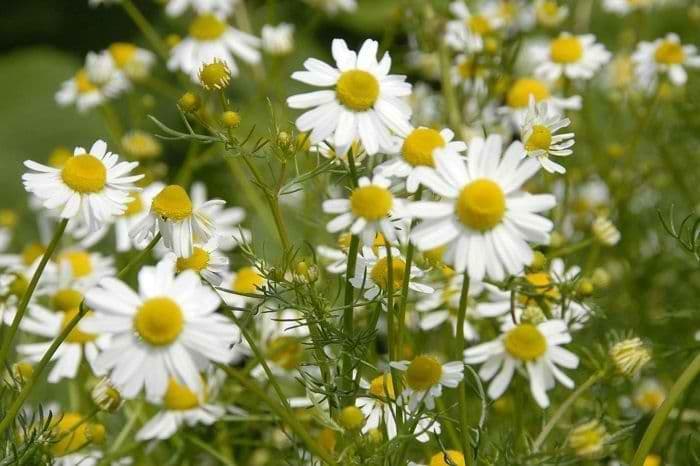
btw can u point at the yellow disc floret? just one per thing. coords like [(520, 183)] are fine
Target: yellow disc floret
[(215, 75), (371, 202), (32, 252), (519, 93), (566, 49), (83, 83), (76, 335), (358, 90), (198, 261), (351, 418), (84, 173), (525, 342), (669, 53), (418, 147), (59, 156), (80, 262), (122, 53), (540, 139), (479, 25), (247, 281), (135, 206), (382, 387), (66, 299), (481, 205), (207, 27), (179, 398), (72, 432), (380, 273), (172, 203), (423, 373), (456, 459), (286, 352), (159, 321)]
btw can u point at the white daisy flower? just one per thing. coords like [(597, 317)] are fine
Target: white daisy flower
[(372, 273), (181, 406), (425, 377), (98, 81), (624, 7), (537, 347), (170, 328), (219, 7), (283, 336), (333, 7), (226, 220), (442, 306), (181, 224), (90, 458), (539, 138), (245, 281), (93, 186), (78, 344), (80, 269), (469, 30), (335, 259), (664, 57), (484, 218), (518, 100), (14, 281), (549, 13), (366, 102), (206, 260), (417, 150), (211, 37), (470, 75), (278, 40), (340, 154), (133, 61), (572, 56), (136, 211)]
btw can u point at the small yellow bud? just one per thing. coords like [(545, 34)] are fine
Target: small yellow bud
[(106, 396), (59, 156), (231, 119), (455, 458), (585, 287), (375, 436), (539, 261), (351, 418), (141, 145), (629, 356), (8, 218), (615, 150), (327, 440), (22, 371), (215, 75), (189, 102), (600, 278), (652, 460), (556, 240), (533, 314), (588, 439)]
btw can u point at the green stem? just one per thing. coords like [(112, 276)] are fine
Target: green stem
[(459, 349), (661, 415), (211, 450), (571, 249), (148, 31), (24, 302), (554, 420), (448, 91), (139, 257), (406, 279)]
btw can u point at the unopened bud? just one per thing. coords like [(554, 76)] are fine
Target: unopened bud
[(231, 119), (189, 102), (106, 396)]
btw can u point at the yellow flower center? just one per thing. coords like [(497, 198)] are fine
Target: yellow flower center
[(357, 90), (479, 25), (32, 252), (468, 69), (423, 373), (351, 418), (525, 342), (650, 399), (286, 352), (652, 460), (141, 145), (481, 205), (215, 75), (669, 53), (519, 94), (198, 261), (73, 432), (566, 49), (135, 206), (84, 174), (548, 9), (66, 299), (179, 398), (380, 273), (540, 139), (172, 203), (456, 459), (247, 281), (418, 147), (371, 202), (382, 387), (122, 53), (59, 156), (19, 286), (588, 439), (83, 83), (344, 241), (80, 262), (207, 27), (76, 335), (542, 282), (159, 321)]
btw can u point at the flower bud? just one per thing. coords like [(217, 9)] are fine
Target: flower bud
[(351, 418), (106, 396), (214, 76), (189, 102), (588, 439), (231, 119), (629, 356), (605, 232)]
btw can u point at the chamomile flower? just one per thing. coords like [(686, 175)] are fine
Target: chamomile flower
[(226, 220), (649, 395), (206, 260), (278, 40), (549, 13), (219, 7), (333, 7), (98, 81), (471, 28), (135, 212), (624, 7), (571, 56), (371, 209), (181, 224), (366, 102), (425, 377), (484, 218), (283, 336), (340, 154), (91, 186), (372, 273), (82, 269), (181, 406), (211, 37), (73, 432), (537, 347), (89, 458), (133, 61), (470, 75), (78, 344), (417, 150), (518, 100), (664, 57), (539, 138), (170, 328), (245, 281), (442, 306)]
